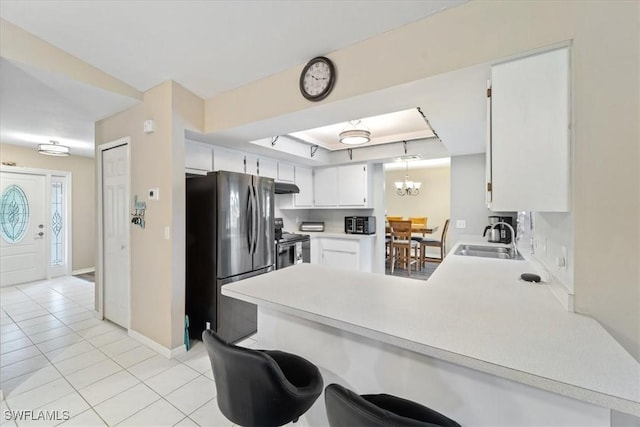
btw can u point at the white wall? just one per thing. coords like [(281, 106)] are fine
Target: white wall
[(468, 197)]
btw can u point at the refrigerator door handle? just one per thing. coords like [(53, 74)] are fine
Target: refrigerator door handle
[(250, 221), (252, 195), (256, 218)]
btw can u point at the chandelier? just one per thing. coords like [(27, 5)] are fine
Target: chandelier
[(355, 134), (407, 187), (53, 149)]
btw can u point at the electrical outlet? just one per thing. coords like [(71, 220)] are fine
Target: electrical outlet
[(154, 194), (167, 233), (461, 223)]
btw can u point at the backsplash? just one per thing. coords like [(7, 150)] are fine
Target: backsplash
[(553, 242), (333, 218)]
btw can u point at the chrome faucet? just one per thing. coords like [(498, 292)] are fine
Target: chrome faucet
[(514, 248)]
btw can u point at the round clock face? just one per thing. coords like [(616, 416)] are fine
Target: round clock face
[(317, 78)]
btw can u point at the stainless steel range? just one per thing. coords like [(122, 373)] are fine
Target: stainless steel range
[(291, 248)]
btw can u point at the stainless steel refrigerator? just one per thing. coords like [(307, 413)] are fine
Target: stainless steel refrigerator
[(230, 237)]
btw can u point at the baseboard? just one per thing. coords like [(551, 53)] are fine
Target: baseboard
[(84, 271), (162, 350)]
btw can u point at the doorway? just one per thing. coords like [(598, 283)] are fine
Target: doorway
[(113, 289), (418, 192), (35, 242)]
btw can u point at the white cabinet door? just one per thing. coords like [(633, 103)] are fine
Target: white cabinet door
[(304, 181), (286, 172), (530, 133), (341, 253), (198, 157), (267, 167), (325, 187), (340, 260), (228, 160), (251, 164), (352, 190)]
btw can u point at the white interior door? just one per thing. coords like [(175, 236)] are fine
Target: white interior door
[(22, 227), (115, 201)]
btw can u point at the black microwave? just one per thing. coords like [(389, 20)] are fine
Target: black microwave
[(360, 224)]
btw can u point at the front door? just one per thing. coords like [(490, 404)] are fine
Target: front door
[(22, 227), (115, 205)]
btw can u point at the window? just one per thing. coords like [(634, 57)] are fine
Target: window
[(57, 234), (14, 214)]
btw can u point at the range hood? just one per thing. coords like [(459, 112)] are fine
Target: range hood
[(285, 188)]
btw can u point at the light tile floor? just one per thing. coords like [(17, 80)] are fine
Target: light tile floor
[(56, 356)]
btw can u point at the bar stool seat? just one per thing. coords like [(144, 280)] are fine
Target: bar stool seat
[(261, 387), (346, 409)]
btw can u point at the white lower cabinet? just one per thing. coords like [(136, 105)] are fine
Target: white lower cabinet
[(353, 254)]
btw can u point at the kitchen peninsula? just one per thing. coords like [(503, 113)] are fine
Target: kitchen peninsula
[(473, 342)]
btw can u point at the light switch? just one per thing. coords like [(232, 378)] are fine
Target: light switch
[(461, 223), (167, 233)]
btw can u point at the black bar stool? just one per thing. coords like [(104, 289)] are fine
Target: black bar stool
[(346, 409), (261, 387)]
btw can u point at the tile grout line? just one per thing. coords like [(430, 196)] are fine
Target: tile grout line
[(50, 360), (58, 370)]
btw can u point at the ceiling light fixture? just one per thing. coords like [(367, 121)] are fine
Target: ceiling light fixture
[(53, 149), (407, 187), (355, 134)]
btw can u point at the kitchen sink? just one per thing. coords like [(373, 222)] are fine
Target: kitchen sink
[(487, 252)]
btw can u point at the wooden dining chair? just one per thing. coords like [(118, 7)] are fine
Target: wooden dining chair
[(418, 222), (394, 218), (402, 247), (433, 243)]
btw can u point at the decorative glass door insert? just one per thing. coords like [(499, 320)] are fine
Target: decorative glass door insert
[(57, 223), (14, 214)]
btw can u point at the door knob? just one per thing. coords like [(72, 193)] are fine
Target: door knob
[(41, 234)]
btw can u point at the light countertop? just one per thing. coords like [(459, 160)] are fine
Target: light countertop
[(474, 312), (336, 234)]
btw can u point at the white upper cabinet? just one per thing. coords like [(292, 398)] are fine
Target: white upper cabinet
[(198, 157), (261, 166), (286, 172), (268, 168), (304, 180), (528, 153), (325, 187), (251, 164), (352, 188), (228, 160)]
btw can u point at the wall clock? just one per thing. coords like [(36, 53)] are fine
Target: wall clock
[(317, 78)]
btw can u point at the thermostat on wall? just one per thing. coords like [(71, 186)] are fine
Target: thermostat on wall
[(149, 126)]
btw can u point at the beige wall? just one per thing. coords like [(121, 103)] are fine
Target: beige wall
[(82, 193), (606, 54), (151, 255), (433, 200), (22, 46), (157, 161)]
